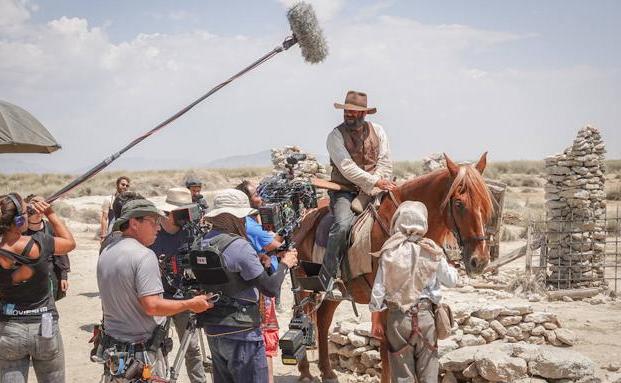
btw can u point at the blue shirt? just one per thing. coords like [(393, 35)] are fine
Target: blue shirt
[(257, 237), (168, 244)]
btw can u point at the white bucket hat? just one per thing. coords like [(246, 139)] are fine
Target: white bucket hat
[(231, 201), (175, 198)]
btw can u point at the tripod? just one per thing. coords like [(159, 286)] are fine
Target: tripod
[(190, 330)]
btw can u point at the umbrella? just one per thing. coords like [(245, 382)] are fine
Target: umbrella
[(20, 132)]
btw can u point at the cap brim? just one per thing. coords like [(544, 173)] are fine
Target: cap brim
[(239, 212), (121, 220), (357, 108)]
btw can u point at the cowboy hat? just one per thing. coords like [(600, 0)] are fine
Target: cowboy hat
[(355, 101)]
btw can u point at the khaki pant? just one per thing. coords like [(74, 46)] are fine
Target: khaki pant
[(412, 361)]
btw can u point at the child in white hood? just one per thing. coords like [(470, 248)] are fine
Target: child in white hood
[(407, 284)]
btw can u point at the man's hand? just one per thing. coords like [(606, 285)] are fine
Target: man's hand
[(377, 328), (385, 184), (290, 258), (64, 285), (200, 303), (265, 259), (42, 207)]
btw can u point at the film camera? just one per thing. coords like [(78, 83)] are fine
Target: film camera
[(177, 269), (286, 199)]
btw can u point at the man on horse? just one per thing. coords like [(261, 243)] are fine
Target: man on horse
[(361, 163)]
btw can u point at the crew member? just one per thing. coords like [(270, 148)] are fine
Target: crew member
[(195, 186), (119, 201), (130, 286), (29, 331), (233, 328), (60, 265), (360, 159), (264, 242), (167, 243), (407, 284), (107, 214)]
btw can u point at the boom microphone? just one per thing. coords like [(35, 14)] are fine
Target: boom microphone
[(307, 32)]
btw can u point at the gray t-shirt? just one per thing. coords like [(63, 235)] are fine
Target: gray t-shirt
[(127, 271)]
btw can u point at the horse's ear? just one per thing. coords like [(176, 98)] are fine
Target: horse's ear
[(480, 166), (452, 167)]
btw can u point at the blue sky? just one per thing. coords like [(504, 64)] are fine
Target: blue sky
[(517, 78)]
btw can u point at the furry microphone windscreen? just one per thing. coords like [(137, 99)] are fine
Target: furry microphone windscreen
[(306, 30)]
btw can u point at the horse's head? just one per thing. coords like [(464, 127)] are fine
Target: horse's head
[(467, 208)]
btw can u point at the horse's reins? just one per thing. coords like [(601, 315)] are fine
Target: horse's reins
[(461, 241), (385, 227)]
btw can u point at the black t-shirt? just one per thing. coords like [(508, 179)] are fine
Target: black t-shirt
[(25, 300), (168, 244), (60, 264)]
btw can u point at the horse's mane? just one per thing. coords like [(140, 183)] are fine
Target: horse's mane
[(471, 182)]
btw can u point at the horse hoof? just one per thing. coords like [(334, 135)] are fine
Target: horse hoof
[(306, 379), (330, 380)]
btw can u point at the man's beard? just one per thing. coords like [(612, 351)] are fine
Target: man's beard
[(355, 124)]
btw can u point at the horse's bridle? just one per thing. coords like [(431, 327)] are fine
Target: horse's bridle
[(461, 241)]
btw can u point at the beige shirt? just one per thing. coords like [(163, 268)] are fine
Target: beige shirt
[(348, 168)]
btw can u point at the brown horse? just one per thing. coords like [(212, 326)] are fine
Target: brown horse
[(458, 202)]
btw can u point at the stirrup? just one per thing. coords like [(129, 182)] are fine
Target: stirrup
[(335, 293)]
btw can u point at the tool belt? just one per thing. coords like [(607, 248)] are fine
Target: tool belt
[(231, 312)]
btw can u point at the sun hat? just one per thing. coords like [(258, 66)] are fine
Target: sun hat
[(135, 209), (231, 201), (175, 198)]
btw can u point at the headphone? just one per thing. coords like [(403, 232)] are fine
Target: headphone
[(19, 218)]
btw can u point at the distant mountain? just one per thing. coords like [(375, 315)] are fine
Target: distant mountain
[(260, 159), (23, 166)]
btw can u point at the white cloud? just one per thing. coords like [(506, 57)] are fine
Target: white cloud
[(325, 10), (96, 95), (13, 12)]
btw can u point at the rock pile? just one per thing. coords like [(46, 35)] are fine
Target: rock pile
[(310, 167), (576, 208), (433, 162), (518, 363), (353, 349), (506, 323)]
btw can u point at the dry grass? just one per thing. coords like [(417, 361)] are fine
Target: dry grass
[(149, 183)]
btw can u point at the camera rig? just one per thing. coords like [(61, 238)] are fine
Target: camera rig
[(286, 199)]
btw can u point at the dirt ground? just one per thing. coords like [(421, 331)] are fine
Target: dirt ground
[(597, 326)]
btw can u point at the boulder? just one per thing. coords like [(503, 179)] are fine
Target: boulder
[(565, 336), (370, 358), (498, 327), (339, 339), (363, 329), (445, 346), (510, 321), (541, 317), (497, 366), (488, 313), (470, 371), (472, 340), (459, 359), (357, 340), (560, 363)]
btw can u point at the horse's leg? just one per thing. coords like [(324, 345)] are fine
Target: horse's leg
[(304, 369), (384, 352), (324, 320)]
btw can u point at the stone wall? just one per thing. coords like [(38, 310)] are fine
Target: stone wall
[(353, 349), (575, 209)]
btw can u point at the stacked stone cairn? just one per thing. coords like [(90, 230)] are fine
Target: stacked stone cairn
[(353, 349), (307, 168), (576, 208), (433, 162)]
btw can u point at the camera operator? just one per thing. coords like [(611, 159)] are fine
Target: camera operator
[(29, 329), (264, 242), (238, 351), (168, 241), (130, 286)]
